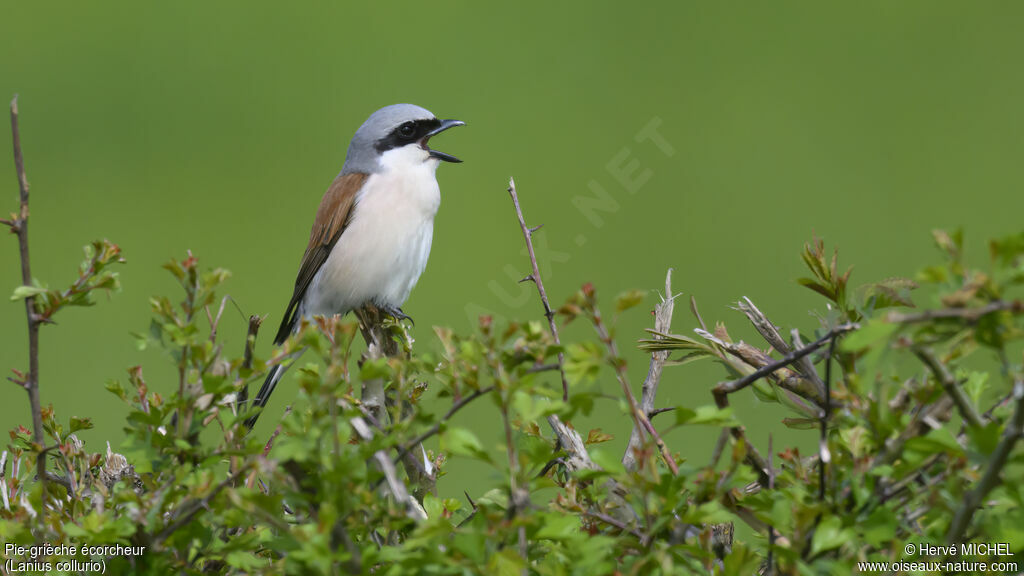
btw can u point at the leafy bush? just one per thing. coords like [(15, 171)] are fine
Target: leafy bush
[(918, 443)]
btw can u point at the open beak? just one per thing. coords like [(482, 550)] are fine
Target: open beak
[(445, 124)]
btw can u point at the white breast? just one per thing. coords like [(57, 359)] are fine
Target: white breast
[(385, 247)]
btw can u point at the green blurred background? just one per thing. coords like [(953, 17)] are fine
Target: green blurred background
[(216, 127)]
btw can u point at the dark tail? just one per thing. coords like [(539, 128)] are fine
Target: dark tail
[(263, 396), (291, 317)]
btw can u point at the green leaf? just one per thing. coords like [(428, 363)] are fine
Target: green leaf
[(80, 424), (629, 299), (559, 527), (802, 423), (462, 442), (938, 441), (888, 293), (608, 461), (705, 415), (985, 439), (22, 292), (245, 561), (374, 368), (596, 436), (829, 535), (869, 334), (817, 287), (506, 563)]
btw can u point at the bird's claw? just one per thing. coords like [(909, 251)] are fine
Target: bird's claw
[(396, 313)]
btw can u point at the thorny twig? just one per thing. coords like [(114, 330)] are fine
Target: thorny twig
[(19, 225), (568, 438), (534, 276)]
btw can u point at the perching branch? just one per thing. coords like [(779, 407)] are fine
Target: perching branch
[(381, 343), (535, 277), (19, 225), (662, 325)]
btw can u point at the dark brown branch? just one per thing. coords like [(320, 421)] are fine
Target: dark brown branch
[(535, 277), (949, 384), (657, 411), (1014, 431), (649, 389), (970, 315), (32, 378)]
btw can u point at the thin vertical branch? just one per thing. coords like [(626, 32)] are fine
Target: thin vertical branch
[(649, 390), (20, 226), (535, 277), (568, 438), (640, 420)]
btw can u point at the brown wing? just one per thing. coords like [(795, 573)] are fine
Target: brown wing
[(331, 219)]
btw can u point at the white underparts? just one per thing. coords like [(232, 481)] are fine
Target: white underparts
[(381, 254)]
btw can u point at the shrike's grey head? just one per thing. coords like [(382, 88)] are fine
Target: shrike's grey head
[(399, 127)]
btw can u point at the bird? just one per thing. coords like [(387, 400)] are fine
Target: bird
[(372, 232)]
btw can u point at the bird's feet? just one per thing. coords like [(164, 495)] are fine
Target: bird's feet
[(396, 313)]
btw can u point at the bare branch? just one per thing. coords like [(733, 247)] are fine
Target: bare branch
[(649, 390), (32, 378), (568, 438), (535, 276), (640, 420)]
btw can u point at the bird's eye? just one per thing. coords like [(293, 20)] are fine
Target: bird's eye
[(407, 130)]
